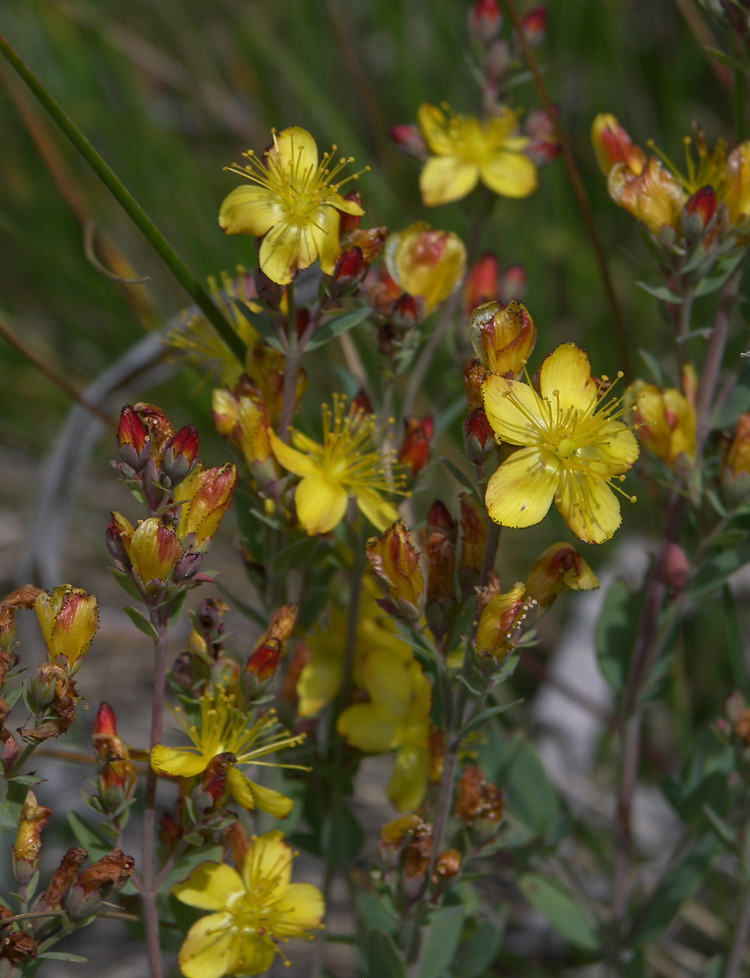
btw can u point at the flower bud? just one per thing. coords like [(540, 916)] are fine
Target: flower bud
[(479, 438), (534, 26), (214, 780), (473, 542), (485, 20), (43, 688), (447, 866), (475, 373), (613, 145), (28, 848), (118, 535), (514, 284), (395, 559), (482, 282), (415, 448), (159, 427), (406, 311), (263, 664), (133, 440), (117, 772), (409, 138), (440, 549), (675, 568), (57, 715), (397, 835), (69, 618), (477, 799), (154, 551), (560, 568), (17, 948), (503, 337), (205, 496), (426, 262), (105, 876), (61, 881), (181, 454), (699, 212), (499, 621), (654, 197), (665, 421), (349, 271)]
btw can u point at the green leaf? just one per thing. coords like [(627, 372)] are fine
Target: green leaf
[(725, 832), (265, 327), (187, 863), (128, 585), (297, 554), (515, 765), (559, 907), (94, 844), (337, 326), (616, 632), (178, 606), (466, 481), (677, 885), (375, 913), (485, 715), (733, 62), (13, 803), (441, 942), (7, 822), (661, 292), (711, 283), (736, 404), (141, 622), (341, 835), (715, 572), (383, 958), (481, 943), (734, 642), (63, 956)]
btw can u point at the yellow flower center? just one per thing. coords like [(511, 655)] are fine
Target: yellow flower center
[(708, 171), (477, 142)]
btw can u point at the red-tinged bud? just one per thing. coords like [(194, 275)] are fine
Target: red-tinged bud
[(133, 439), (503, 337), (473, 543), (57, 715), (181, 454), (105, 722), (350, 222), (362, 402), (370, 242), (395, 559), (159, 427), (440, 516), (239, 842), (28, 848), (22, 598), (303, 321), (409, 138), (188, 566), (69, 618), (478, 436), (514, 284), (118, 534), (107, 875), (737, 458), (214, 780), (61, 881), (482, 283), (349, 271), (485, 20), (440, 549), (534, 25), (560, 568), (478, 800), (415, 448), (17, 948), (475, 373), (407, 311), (613, 145), (43, 687), (499, 60), (170, 832), (675, 568), (699, 213), (269, 293), (205, 496), (263, 664)]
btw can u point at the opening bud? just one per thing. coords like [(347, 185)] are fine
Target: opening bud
[(485, 20), (69, 618), (560, 568), (205, 496), (534, 25), (133, 439), (503, 337), (395, 559)]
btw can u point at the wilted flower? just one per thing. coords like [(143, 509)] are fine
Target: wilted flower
[(347, 463), (293, 201), (69, 617), (466, 150), (28, 848), (500, 618), (252, 911), (560, 568)]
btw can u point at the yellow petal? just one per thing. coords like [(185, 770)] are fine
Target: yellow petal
[(618, 451), (210, 948), (292, 460), (251, 795), (321, 503), (250, 210), (270, 857), (380, 513), (509, 174), (177, 762), (522, 489), (300, 908), (369, 727), (589, 507), (296, 147), (432, 121), (210, 886), (513, 409), (318, 683), (446, 178), (324, 230), (256, 954), (409, 779), (279, 254), (567, 370), (388, 680)]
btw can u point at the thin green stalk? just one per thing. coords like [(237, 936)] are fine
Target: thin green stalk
[(578, 190), (121, 193), (291, 369)]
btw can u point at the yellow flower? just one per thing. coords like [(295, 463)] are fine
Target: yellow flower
[(467, 150), (347, 463), (69, 618), (253, 910), (205, 496), (665, 421), (427, 262), (224, 729), (396, 718), (293, 202), (574, 448)]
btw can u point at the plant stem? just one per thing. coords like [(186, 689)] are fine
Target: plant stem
[(121, 193), (149, 880), (291, 369), (578, 190)]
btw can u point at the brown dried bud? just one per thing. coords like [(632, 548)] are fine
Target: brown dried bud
[(62, 878), (28, 847), (160, 428), (475, 373), (22, 598), (415, 448), (94, 884), (477, 799), (675, 568), (18, 947), (440, 549), (448, 865)]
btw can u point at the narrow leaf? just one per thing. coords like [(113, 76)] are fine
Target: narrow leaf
[(559, 907), (141, 622), (337, 327)]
